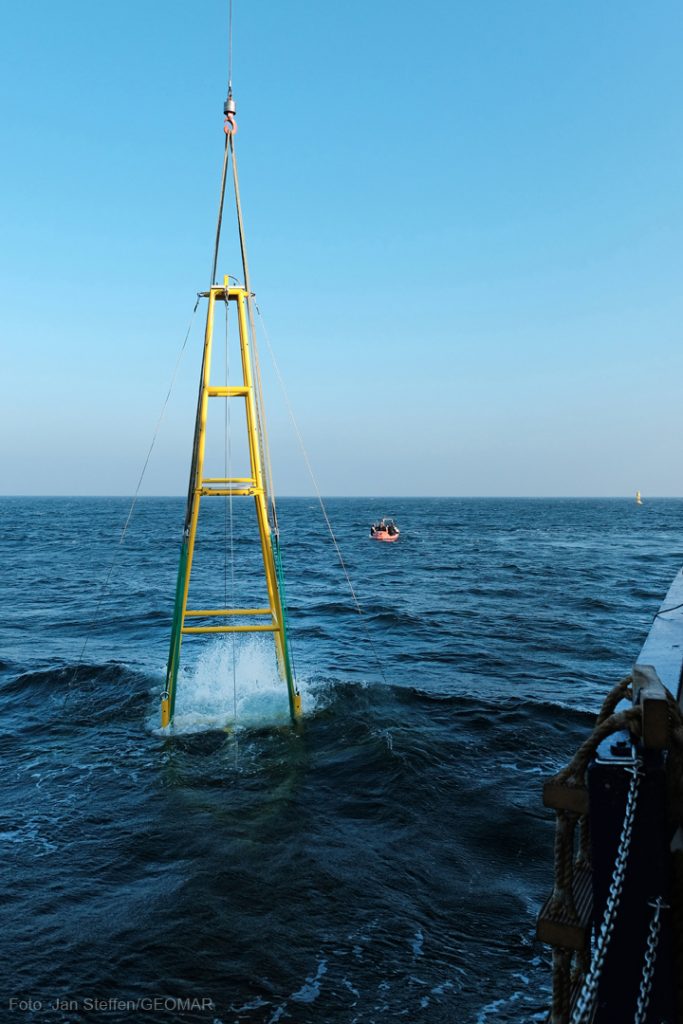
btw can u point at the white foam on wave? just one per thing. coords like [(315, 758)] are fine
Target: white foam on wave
[(234, 687)]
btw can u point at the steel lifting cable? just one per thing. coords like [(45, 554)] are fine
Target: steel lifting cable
[(219, 221), (105, 584), (230, 130), (230, 122), (228, 439), (314, 481), (230, 48)]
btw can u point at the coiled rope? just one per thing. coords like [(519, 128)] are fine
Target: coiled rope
[(581, 971)]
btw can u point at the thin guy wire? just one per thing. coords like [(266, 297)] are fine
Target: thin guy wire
[(320, 498), (225, 471), (228, 448), (264, 446), (105, 585)]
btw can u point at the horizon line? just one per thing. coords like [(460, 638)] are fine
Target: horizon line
[(387, 497)]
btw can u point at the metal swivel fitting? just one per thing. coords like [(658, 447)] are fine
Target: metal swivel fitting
[(229, 107)]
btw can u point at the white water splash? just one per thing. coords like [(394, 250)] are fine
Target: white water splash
[(417, 943), (310, 990), (220, 682)]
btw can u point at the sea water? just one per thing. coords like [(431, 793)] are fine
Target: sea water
[(386, 860)]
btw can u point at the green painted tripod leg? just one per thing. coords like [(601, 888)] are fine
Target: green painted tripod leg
[(292, 691), (168, 698)]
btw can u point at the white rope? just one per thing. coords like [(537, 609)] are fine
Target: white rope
[(105, 585), (314, 481)]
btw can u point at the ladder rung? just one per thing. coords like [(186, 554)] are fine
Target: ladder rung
[(236, 492), (228, 480), (230, 629), (222, 392), (231, 611)]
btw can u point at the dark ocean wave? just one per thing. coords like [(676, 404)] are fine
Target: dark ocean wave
[(383, 861)]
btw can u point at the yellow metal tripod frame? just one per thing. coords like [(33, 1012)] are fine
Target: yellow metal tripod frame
[(253, 486)]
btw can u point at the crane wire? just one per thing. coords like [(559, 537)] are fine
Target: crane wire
[(230, 151), (225, 159), (230, 48), (260, 412)]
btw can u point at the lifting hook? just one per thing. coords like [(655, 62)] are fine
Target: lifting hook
[(229, 109)]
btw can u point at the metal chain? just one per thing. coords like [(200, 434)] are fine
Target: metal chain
[(584, 1004), (650, 960)]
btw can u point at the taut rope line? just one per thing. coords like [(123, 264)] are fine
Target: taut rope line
[(104, 586), (314, 481)]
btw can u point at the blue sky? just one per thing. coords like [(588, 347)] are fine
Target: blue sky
[(464, 224)]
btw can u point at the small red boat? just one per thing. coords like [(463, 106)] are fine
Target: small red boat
[(386, 529)]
